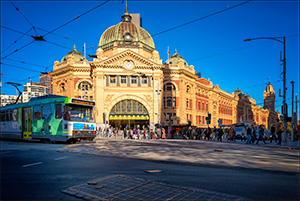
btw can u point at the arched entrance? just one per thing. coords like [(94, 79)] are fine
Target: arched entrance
[(129, 113)]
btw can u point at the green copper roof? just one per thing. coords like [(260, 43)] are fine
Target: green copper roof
[(174, 59), (77, 55), (117, 33)]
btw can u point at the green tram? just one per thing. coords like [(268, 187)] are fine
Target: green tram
[(49, 118)]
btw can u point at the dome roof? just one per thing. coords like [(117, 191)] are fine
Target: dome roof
[(77, 55), (175, 58), (126, 34)]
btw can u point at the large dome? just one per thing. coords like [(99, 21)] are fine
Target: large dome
[(126, 34)]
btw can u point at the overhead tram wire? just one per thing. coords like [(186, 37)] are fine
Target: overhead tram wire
[(19, 67), (77, 17), (54, 29), (27, 63), (23, 15), (67, 38), (16, 40), (235, 50), (201, 18)]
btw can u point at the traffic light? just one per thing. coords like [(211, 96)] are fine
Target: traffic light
[(208, 118)]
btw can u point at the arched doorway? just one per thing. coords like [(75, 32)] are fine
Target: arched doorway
[(129, 113)]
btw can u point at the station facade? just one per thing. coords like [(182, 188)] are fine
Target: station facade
[(132, 86)]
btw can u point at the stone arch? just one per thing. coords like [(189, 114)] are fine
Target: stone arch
[(81, 81), (132, 97), (173, 83)]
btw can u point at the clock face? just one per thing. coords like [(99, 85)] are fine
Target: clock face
[(128, 65), (268, 100)]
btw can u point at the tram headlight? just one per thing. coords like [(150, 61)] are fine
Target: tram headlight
[(74, 132)]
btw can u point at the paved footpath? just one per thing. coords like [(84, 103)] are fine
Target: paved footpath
[(239, 155)]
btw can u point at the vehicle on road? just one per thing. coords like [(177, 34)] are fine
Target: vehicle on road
[(49, 118)]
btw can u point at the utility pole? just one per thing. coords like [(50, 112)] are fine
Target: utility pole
[(293, 121), (284, 105)]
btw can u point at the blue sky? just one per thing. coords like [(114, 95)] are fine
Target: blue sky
[(214, 45)]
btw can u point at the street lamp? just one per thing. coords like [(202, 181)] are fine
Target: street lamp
[(158, 91), (284, 105)]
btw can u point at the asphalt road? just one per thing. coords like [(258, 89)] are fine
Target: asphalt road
[(35, 171)]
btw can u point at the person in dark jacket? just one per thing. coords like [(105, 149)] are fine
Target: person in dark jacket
[(273, 136), (261, 134)]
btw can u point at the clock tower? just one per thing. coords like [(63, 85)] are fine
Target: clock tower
[(269, 98)]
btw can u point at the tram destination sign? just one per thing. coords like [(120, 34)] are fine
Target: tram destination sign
[(83, 102)]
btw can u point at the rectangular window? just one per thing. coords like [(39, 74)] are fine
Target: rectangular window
[(144, 80), (15, 115), (46, 112), (2, 116), (187, 117), (112, 79), (174, 101), (169, 101), (8, 115), (58, 111), (123, 79), (37, 115), (133, 80)]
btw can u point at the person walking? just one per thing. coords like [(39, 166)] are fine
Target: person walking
[(163, 134), (273, 136), (249, 132), (230, 134), (215, 131), (279, 130), (220, 134), (261, 134)]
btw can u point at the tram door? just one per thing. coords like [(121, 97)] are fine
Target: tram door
[(26, 123)]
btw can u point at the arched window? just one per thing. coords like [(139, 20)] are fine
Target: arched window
[(169, 87), (85, 86), (188, 89), (129, 107), (62, 87)]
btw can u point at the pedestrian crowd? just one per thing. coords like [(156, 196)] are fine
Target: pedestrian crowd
[(253, 135)]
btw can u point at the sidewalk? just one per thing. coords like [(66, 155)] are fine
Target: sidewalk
[(284, 145)]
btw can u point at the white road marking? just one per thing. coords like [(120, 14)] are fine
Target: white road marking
[(32, 164), (61, 158)]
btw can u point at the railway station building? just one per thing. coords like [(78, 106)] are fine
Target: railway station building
[(131, 85)]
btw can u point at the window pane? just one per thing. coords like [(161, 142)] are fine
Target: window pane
[(37, 112), (133, 80), (15, 115), (58, 112), (46, 112)]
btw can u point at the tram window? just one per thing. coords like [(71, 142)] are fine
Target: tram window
[(8, 115), (46, 109), (58, 112), (37, 112), (2, 116), (15, 115)]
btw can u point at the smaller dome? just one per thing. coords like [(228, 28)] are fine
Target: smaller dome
[(175, 58), (238, 92), (77, 55)]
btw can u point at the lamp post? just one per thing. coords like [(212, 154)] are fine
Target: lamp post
[(284, 105), (158, 112)]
